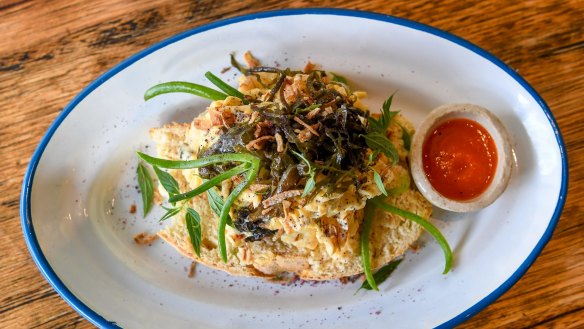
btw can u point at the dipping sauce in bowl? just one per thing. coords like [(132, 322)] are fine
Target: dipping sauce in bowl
[(461, 157)]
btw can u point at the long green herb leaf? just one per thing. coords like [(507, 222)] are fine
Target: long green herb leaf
[(380, 125), (167, 181), (146, 188), (376, 138), (198, 163), (382, 274), (378, 141), (365, 234), (237, 65), (226, 88), (425, 224), (215, 201), (301, 157), (373, 155), (170, 212), (250, 177), (339, 78), (184, 87), (310, 183), (306, 109), (387, 114), (193, 221), (379, 182), (406, 137), (210, 183)]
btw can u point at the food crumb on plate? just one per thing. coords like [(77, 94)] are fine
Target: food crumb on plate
[(145, 238), (192, 268)]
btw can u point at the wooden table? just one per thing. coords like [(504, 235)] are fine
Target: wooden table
[(51, 50)]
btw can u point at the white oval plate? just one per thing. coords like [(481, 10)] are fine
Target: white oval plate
[(80, 183)]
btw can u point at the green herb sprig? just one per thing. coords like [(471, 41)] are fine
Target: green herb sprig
[(370, 209), (196, 89), (364, 241), (170, 212), (382, 274), (379, 182), (226, 88), (193, 221), (146, 188), (311, 182), (167, 181), (211, 183), (403, 184), (250, 166), (339, 78), (381, 124), (237, 65), (307, 109), (425, 224), (376, 138), (250, 177), (216, 203), (407, 138), (183, 87)]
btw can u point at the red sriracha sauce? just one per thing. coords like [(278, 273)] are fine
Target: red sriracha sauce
[(459, 159)]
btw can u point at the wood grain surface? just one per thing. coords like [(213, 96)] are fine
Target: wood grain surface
[(50, 50)]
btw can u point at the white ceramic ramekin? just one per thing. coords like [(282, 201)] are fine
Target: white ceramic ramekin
[(504, 157)]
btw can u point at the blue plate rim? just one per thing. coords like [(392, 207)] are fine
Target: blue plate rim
[(98, 320)]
